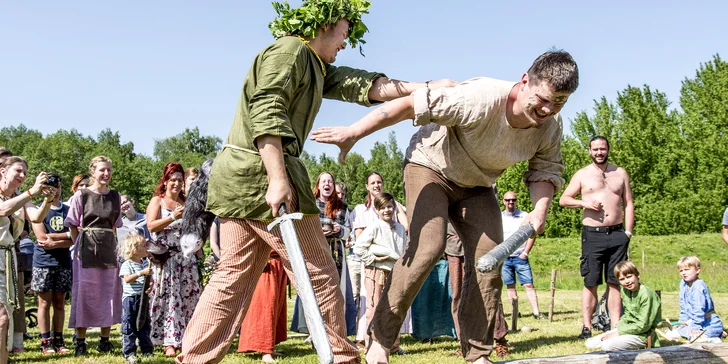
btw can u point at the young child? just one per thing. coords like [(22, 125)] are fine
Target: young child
[(379, 246), (697, 311), (642, 314), (132, 274)]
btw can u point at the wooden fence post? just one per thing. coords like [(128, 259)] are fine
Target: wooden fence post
[(553, 294)]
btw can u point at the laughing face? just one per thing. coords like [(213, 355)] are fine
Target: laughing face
[(102, 173), (175, 183), (335, 36), (539, 102), (374, 185), (15, 175), (326, 186), (386, 213), (599, 151)]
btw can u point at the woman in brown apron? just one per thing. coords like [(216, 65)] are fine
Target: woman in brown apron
[(93, 217)]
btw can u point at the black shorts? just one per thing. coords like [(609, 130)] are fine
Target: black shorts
[(51, 279), (601, 249)]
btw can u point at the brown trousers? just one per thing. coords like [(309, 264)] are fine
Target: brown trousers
[(245, 248), (475, 214), (456, 270), (374, 281)]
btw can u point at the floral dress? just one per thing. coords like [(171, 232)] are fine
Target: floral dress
[(176, 288)]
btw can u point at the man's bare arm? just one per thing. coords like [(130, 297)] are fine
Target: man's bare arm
[(541, 195), (628, 205), (386, 89), (568, 198), (386, 115), (529, 246)]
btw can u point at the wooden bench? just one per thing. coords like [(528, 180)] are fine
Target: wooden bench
[(679, 354)]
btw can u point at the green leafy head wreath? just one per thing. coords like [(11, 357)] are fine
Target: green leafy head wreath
[(314, 14)]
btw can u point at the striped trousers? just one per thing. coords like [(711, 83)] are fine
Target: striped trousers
[(244, 249)]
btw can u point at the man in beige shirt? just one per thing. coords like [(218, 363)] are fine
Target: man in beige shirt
[(608, 219), (469, 135)]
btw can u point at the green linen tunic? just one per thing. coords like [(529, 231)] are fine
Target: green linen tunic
[(281, 96), (642, 312)]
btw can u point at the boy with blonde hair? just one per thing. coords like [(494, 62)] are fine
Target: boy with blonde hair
[(642, 314), (698, 320)]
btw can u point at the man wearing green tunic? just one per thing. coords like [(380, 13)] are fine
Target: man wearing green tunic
[(259, 168)]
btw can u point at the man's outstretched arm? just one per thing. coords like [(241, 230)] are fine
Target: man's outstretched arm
[(386, 115), (387, 89)]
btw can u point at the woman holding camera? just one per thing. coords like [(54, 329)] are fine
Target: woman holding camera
[(93, 217), (15, 207)]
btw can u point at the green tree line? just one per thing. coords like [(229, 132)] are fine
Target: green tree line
[(676, 158), (68, 153)]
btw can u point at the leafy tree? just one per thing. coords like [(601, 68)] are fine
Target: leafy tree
[(189, 148)]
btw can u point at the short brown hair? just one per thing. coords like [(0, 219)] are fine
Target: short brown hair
[(558, 69), (624, 268), (382, 199), (77, 181)]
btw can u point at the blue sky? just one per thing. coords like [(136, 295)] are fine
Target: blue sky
[(148, 69)]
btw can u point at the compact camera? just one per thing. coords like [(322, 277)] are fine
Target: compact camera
[(54, 180)]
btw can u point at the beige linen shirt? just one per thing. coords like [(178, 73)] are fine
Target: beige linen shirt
[(465, 136)]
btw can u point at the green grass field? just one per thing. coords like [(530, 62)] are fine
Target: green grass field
[(545, 339)]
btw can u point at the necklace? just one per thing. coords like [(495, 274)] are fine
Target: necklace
[(604, 172), (323, 68)]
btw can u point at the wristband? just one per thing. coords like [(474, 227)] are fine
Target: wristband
[(29, 194), (172, 216), (524, 253), (68, 234), (629, 233)]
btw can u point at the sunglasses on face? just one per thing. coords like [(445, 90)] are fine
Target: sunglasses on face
[(509, 199)]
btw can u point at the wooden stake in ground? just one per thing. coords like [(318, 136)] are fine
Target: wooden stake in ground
[(514, 319), (553, 294)]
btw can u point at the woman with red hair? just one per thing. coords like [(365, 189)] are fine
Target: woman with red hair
[(333, 216), (176, 285)]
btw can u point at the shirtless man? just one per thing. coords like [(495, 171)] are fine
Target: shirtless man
[(605, 191)]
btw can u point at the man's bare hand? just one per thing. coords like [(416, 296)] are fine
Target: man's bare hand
[(592, 205), (341, 136), (48, 244), (537, 220), (278, 192), (609, 336)]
